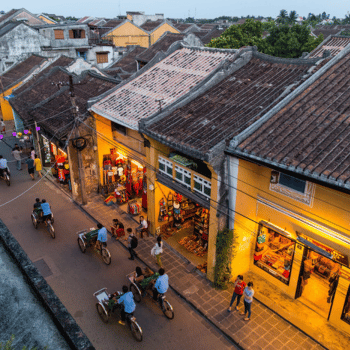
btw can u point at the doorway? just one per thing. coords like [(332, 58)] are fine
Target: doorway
[(318, 282)]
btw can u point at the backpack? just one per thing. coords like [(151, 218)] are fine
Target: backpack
[(134, 242)]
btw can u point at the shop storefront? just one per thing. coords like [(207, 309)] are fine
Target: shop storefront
[(124, 178), (182, 207)]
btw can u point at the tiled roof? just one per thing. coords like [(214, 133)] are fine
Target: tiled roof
[(21, 70), (208, 26), (162, 44), (215, 33), (60, 103), (128, 62), (62, 61), (182, 26), (334, 46), (167, 80), (8, 14), (84, 19), (311, 135), (7, 27), (230, 106), (325, 31), (149, 26), (201, 34), (38, 91), (112, 23)]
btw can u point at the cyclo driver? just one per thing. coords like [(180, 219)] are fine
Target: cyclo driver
[(3, 165), (162, 284), (45, 207), (37, 206), (127, 299), (101, 237)]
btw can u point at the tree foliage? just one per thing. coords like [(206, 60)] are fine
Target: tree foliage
[(288, 41)]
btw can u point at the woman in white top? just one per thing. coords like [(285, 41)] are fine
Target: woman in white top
[(157, 250)]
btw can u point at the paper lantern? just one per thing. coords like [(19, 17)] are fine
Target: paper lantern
[(14, 134), (25, 131)]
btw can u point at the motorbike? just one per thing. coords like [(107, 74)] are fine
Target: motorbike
[(106, 306), (37, 218), (6, 176)]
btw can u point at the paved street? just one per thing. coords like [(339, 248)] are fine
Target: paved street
[(75, 276)]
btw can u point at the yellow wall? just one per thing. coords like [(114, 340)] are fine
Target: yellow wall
[(129, 34), (47, 20), (161, 30), (159, 191), (330, 209), (6, 108)]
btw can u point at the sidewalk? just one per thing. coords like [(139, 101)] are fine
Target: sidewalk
[(265, 330)]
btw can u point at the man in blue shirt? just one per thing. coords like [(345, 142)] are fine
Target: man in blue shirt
[(101, 237), (162, 284), (45, 207), (127, 299), (3, 165)]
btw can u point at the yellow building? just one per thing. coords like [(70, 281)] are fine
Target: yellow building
[(47, 19), (127, 33), (14, 77), (289, 201)]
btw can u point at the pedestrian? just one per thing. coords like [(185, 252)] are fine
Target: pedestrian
[(143, 228), (238, 289), (17, 155), (248, 299), (2, 127), (38, 166), (30, 166), (132, 243), (157, 250), (32, 153)]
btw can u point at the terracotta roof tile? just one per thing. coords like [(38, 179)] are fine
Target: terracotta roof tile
[(167, 80), (149, 26), (214, 33), (228, 107), (312, 133), (8, 14), (182, 26), (21, 70), (334, 46)]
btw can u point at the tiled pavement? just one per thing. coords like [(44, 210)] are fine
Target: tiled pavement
[(265, 330)]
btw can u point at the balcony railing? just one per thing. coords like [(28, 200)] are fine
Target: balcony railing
[(187, 177)]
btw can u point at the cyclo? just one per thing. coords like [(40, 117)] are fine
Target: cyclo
[(38, 217), (144, 288), (88, 239), (106, 306)]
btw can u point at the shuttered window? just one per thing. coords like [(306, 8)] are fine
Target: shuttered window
[(102, 57), (59, 34), (76, 34)]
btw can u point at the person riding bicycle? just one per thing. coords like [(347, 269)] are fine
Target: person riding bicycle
[(37, 206), (162, 284), (3, 165), (101, 237), (45, 207), (127, 299)]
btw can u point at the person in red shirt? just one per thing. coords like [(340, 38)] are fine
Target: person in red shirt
[(239, 286)]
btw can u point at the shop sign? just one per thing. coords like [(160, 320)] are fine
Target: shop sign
[(336, 255)]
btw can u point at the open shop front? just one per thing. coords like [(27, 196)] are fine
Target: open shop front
[(308, 262), (183, 221), (124, 182)]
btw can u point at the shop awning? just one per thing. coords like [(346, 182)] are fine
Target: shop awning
[(175, 186), (315, 248)]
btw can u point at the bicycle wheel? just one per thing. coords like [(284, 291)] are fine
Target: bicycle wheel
[(81, 245), (8, 182), (167, 310), (136, 330), (35, 223), (51, 229), (136, 293), (106, 256), (102, 313)]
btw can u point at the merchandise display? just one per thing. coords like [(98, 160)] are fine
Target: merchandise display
[(193, 245), (274, 253), (346, 310)]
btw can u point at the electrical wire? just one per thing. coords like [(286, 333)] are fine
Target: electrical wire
[(261, 190)]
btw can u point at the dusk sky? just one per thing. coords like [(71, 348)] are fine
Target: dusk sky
[(181, 8)]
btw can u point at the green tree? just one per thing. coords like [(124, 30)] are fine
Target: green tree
[(247, 34), (292, 18), (282, 17), (290, 42), (346, 20)]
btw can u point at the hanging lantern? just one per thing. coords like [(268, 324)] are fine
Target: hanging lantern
[(25, 131)]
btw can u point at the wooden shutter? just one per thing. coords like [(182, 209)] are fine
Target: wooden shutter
[(59, 34), (102, 57), (82, 35), (71, 35)]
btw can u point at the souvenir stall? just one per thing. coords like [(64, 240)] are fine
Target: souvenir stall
[(185, 225), (124, 182)]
